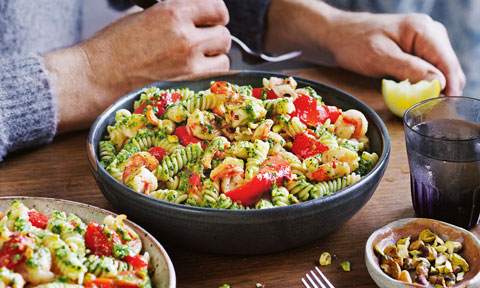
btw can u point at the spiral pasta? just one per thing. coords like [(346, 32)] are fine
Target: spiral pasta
[(106, 152), (105, 266), (217, 146), (301, 188), (10, 279), (280, 197), (291, 126), (59, 224), (126, 127), (174, 196), (256, 155), (328, 187), (172, 164), (279, 106), (201, 102)]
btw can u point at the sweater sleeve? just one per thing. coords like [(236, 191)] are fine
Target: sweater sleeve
[(27, 107), (248, 21)]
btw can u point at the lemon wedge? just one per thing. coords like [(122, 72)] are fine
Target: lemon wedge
[(401, 96)]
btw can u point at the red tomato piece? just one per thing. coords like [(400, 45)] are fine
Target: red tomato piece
[(38, 219), (306, 146), (320, 175), (140, 108), (272, 170), (136, 261), (100, 283), (160, 103), (12, 252), (184, 137), (309, 110), (271, 95), (257, 93), (333, 112), (157, 152), (195, 180), (99, 243), (194, 183)]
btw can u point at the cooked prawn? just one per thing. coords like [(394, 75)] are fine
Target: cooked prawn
[(214, 148), (225, 92), (341, 154), (203, 125), (351, 124), (137, 173), (330, 170), (228, 168), (169, 125), (263, 130)]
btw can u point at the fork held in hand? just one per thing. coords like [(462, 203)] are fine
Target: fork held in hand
[(314, 280), (259, 57)]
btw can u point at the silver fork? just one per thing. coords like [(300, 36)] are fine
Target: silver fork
[(268, 58), (314, 280)]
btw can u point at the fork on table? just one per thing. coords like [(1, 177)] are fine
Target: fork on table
[(315, 280)]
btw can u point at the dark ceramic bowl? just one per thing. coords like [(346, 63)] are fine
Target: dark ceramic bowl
[(243, 231)]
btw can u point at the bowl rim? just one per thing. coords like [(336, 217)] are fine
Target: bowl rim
[(171, 270), (370, 254), (346, 192)]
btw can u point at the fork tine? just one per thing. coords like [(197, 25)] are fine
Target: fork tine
[(268, 58), (316, 278), (312, 282), (305, 283), (324, 278), (280, 58)]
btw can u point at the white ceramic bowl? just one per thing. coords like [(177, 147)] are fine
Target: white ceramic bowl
[(402, 228), (163, 273)]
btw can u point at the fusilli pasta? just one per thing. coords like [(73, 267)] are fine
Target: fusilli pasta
[(230, 141)]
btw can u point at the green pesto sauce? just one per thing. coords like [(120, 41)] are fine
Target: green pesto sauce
[(250, 112)]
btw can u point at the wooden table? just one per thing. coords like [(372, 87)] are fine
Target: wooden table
[(61, 170)]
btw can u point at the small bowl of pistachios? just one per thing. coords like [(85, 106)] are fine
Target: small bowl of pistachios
[(419, 252)]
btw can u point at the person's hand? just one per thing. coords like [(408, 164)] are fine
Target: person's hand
[(403, 46), (172, 38)]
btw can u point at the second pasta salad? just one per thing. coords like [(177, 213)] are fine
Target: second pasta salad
[(237, 147)]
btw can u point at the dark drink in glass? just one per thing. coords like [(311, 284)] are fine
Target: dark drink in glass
[(443, 146)]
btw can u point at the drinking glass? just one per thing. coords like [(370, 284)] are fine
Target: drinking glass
[(443, 146)]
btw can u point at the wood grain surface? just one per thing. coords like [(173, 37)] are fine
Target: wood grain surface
[(60, 170)]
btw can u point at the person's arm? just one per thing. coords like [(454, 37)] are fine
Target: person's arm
[(404, 46), (169, 39), (27, 109), (67, 89)]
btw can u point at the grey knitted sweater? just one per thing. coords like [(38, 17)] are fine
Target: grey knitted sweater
[(29, 29)]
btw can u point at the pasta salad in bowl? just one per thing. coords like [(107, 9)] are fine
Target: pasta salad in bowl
[(241, 144), (84, 247)]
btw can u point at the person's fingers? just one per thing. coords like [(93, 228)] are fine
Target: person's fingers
[(200, 13), (403, 66), (453, 89), (207, 12), (430, 41), (212, 63), (213, 40)]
